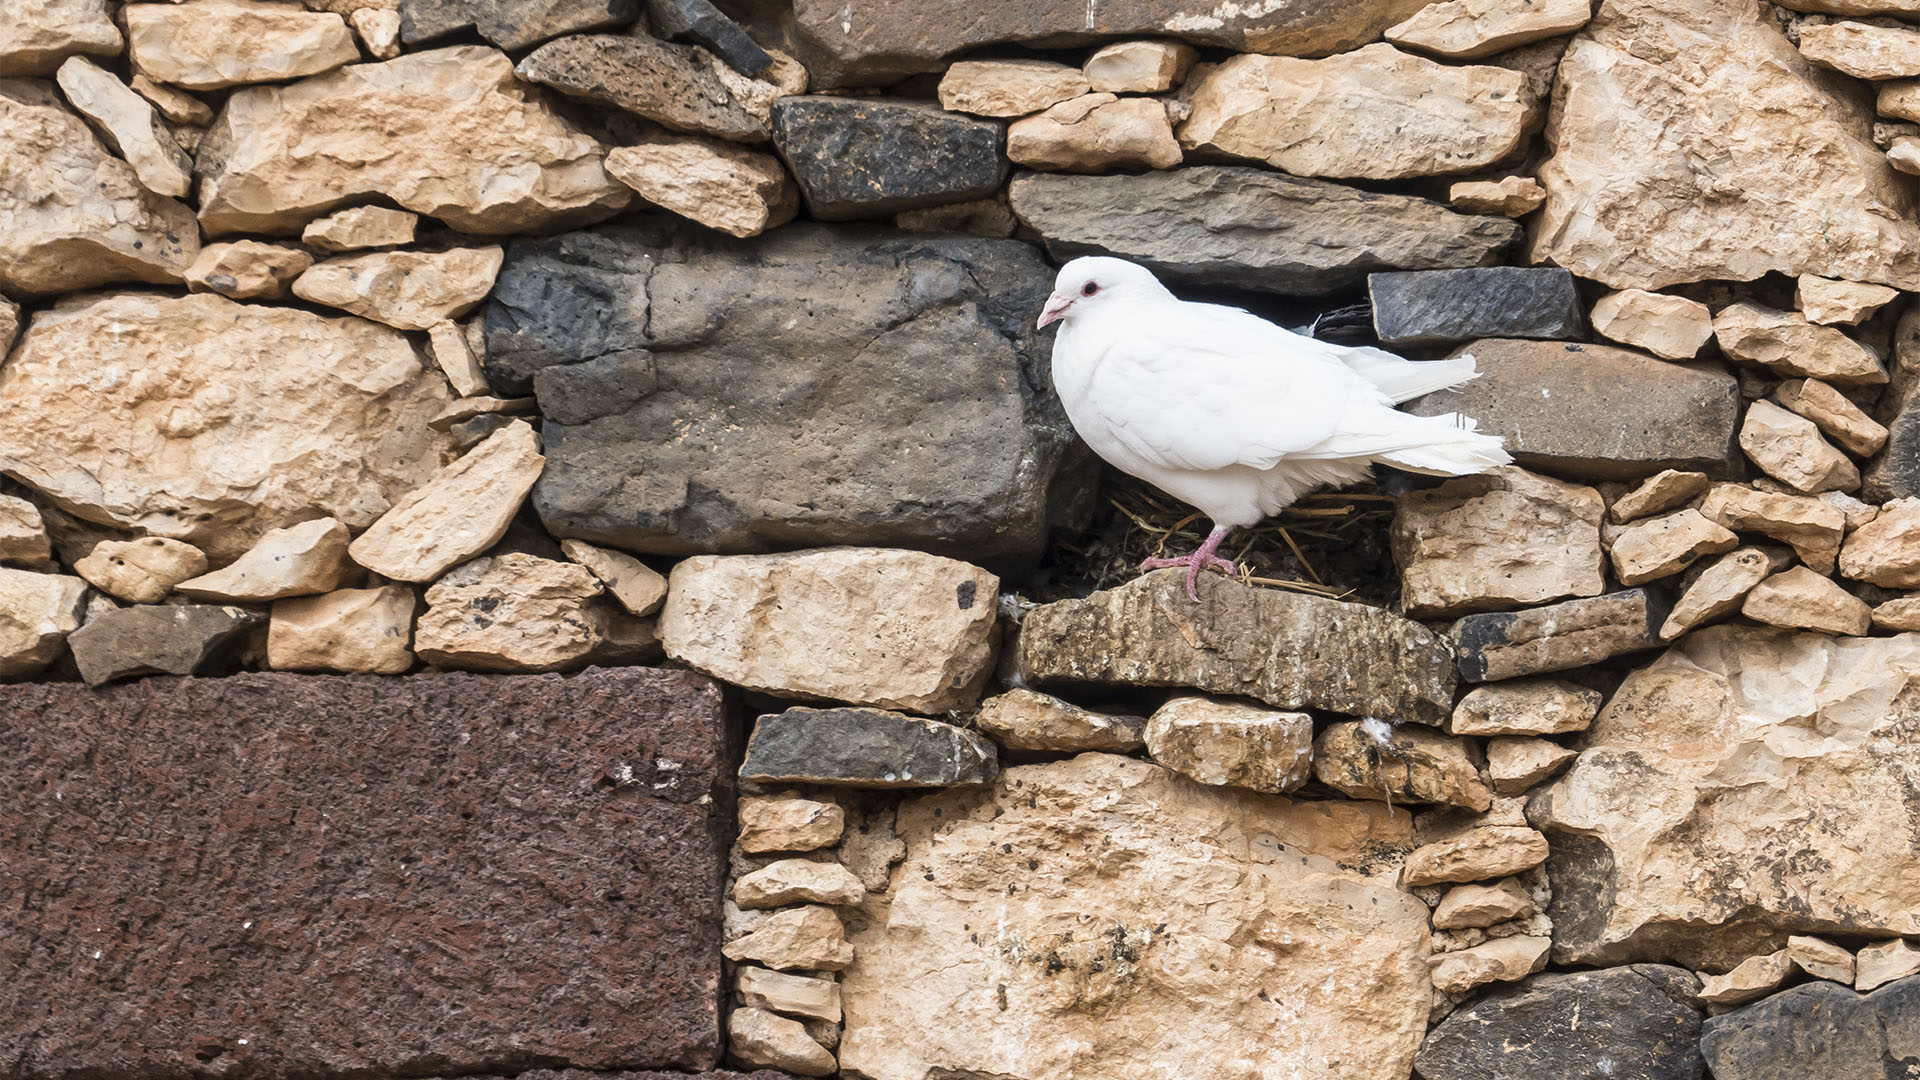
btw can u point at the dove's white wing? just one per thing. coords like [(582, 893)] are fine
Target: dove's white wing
[(1395, 376)]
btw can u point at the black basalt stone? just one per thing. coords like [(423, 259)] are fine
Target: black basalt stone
[(859, 157), (1441, 307), (700, 22), (1640, 1022), (867, 748), (1819, 1031)]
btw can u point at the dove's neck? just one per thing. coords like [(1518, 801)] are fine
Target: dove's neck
[(1088, 339)]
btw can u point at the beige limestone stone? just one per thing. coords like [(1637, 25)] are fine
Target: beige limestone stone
[(1376, 113), (1826, 301), (449, 133), (23, 534), (1526, 707), (789, 995), (1833, 413), (1008, 87), (1858, 512), (1719, 589), (360, 227), (1855, 7), (299, 560), (9, 325), (1658, 547), (758, 1038), (38, 35), (1662, 491), (129, 124), (176, 105), (784, 77), (722, 185), (869, 626), (1800, 599), (1863, 50), (1884, 961), (1517, 764), (462, 511), (1090, 889), (1886, 551), (1139, 67), (408, 290), (1230, 743), (788, 823), (214, 44), (1023, 719), (1670, 327), (1509, 196), (1667, 134), (140, 571), (1750, 980), (798, 881), (465, 409), (1407, 764), (366, 631), (378, 30), (1471, 29), (1899, 99), (1507, 959), (1900, 614), (512, 612), (73, 216), (1497, 540), (810, 938), (37, 612), (638, 587), (247, 269), (1790, 448), (451, 347), (1820, 958), (1790, 345), (1813, 528), (1096, 133), (1481, 854), (1903, 153), (1467, 906), (332, 420)]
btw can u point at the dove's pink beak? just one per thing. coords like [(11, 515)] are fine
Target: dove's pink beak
[(1056, 308)]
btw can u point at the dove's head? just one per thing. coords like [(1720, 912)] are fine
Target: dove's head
[(1094, 283)]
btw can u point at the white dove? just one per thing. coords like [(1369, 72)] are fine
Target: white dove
[(1233, 414)]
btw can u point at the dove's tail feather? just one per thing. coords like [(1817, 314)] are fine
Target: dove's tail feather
[(1403, 380), (1456, 449)]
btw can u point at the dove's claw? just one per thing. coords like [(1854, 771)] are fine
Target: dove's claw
[(1202, 559)]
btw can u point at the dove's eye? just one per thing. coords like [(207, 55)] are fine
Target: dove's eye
[(1089, 289)]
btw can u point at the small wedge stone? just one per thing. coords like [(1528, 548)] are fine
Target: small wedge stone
[(1800, 599)]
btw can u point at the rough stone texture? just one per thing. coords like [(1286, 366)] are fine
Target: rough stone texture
[(1819, 1031), (870, 626), (215, 44), (360, 227), (1442, 307), (1500, 539), (866, 748), (1788, 344), (1643, 1020), (1097, 880), (1507, 959), (1597, 412), (758, 1037), (310, 557), (807, 938), (1884, 961), (334, 421), (1026, 720), (483, 153), (178, 106), (1251, 228), (1483, 905), (858, 157), (1801, 599), (739, 191), (1826, 301), (1820, 958), (1377, 114), (1516, 764), (1260, 643), (700, 22), (39, 34), (787, 823), (1139, 67), (793, 995), (1470, 29), (511, 24), (130, 126), (37, 612), (1232, 744), (1670, 327), (637, 586), (512, 612), (247, 270), (463, 510), (1570, 634), (452, 347), (408, 290), (1896, 473), (1096, 133), (1839, 418), (1658, 547), (23, 534), (368, 631), (664, 83), (1886, 550), (1412, 764), (1863, 50), (1812, 527), (1751, 979), (798, 881), (148, 639), (1718, 807), (1009, 87), (742, 431), (398, 841), (1898, 615), (378, 31), (1479, 854), (1691, 141), (73, 216), (140, 571), (1526, 707), (1510, 196)]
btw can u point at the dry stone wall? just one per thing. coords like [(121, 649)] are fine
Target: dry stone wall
[(388, 341)]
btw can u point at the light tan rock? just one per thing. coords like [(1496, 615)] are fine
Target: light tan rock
[(759, 1038), (1858, 512), (1790, 345), (1750, 980), (1525, 707), (73, 216), (1826, 301), (1658, 547), (1497, 540), (176, 105), (1471, 29), (9, 325), (1863, 50), (1376, 113), (788, 823), (483, 152), (360, 227), (1903, 153), (214, 44), (247, 269), (23, 534), (1899, 615), (1139, 67), (1790, 448), (367, 631), (1719, 589), (638, 587), (1095, 133), (1820, 958), (1229, 743), (869, 626), (1510, 196), (790, 995), (140, 571), (1405, 764), (1492, 851), (810, 938), (1008, 87), (299, 560), (798, 881), (129, 124), (1671, 327), (1810, 526), (465, 409), (37, 612), (378, 30), (452, 350), (1800, 599), (784, 77), (1884, 961), (332, 419), (409, 290), (1022, 719), (722, 185), (1662, 491), (1886, 551), (1517, 764), (1833, 413), (1899, 99), (1468, 906), (512, 612), (1108, 872), (1855, 7), (1507, 959), (464, 510), (39, 34)]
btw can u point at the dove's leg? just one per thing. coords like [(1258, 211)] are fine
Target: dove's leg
[(1198, 561)]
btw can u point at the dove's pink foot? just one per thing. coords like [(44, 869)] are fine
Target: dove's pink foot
[(1198, 561)]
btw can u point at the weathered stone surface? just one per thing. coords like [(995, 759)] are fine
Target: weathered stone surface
[(1597, 412), (1510, 196), (368, 631), (756, 1037), (1009, 87), (1264, 644), (37, 612), (512, 612), (23, 534), (1718, 808), (783, 76), (798, 881), (647, 77), (1095, 133), (1500, 539), (149, 639), (459, 513), (378, 31), (1666, 132), (39, 34), (1231, 744), (739, 191), (860, 157), (73, 216), (140, 571), (1863, 50), (789, 823), (1884, 961), (867, 748), (1025, 720), (1670, 327), (1895, 473), (871, 626), (1442, 307), (359, 227), (1517, 764), (1377, 113), (1812, 527), (1252, 228), (1801, 599), (1526, 707), (792, 995), (247, 270), (409, 290), (1483, 905), (511, 24), (454, 813), (1751, 979), (1481, 854), (1139, 67), (130, 126), (214, 44), (1470, 29), (1835, 415), (978, 217), (1900, 614), (1411, 764), (1886, 550), (1092, 864), (742, 431), (452, 347), (9, 324), (1826, 301), (299, 560), (637, 586), (483, 153), (1719, 589), (1820, 958), (700, 22), (1507, 959), (178, 106), (1570, 634), (1818, 1031), (807, 938), (1788, 344), (1662, 546), (1643, 1020)]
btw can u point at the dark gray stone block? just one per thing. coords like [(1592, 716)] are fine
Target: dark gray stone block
[(1640, 1022), (511, 24), (1441, 307), (1557, 637), (859, 157), (867, 748), (700, 22), (1819, 1031), (159, 639)]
